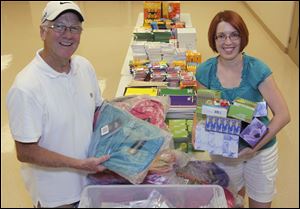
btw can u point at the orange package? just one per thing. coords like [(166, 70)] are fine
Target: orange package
[(152, 10)]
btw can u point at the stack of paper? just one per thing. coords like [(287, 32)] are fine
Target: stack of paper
[(154, 52), (180, 54), (139, 56), (138, 46), (138, 50), (187, 38), (174, 42), (168, 51)]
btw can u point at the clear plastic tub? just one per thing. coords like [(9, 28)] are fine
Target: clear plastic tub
[(179, 196)]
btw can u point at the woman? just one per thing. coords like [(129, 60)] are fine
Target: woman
[(237, 74)]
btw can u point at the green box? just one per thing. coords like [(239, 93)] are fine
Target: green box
[(242, 109)]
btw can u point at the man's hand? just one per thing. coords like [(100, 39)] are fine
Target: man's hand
[(93, 164), (34, 154)]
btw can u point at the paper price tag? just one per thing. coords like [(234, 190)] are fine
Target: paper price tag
[(114, 125), (104, 130)]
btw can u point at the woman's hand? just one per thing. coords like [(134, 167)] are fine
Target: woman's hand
[(247, 153)]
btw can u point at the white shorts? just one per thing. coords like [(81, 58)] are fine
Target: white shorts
[(257, 174)]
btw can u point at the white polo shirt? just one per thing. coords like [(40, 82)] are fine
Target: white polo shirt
[(58, 109)]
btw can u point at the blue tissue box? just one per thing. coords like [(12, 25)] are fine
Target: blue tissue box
[(223, 125)]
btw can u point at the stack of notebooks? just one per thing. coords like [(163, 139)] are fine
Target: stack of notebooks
[(183, 102), (138, 46), (187, 38), (168, 51), (180, 54), (153, 51), (138, 50)]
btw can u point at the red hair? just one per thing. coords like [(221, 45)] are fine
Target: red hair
[(235, 20)]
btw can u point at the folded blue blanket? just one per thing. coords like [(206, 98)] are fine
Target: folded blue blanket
[(131, 142)]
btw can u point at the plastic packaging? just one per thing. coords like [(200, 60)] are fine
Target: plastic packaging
[(131, 142), (203, 172), (151, 109)]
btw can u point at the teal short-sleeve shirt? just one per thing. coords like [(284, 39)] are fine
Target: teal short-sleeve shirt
[(253, 74)]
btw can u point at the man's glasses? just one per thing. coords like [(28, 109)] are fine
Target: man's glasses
[(234, 36), (63, 28)]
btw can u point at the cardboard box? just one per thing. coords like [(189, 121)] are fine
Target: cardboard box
[(174, 11), (203, 97), (254, 132), (217, 111), (242, 109), (223, 125), (261, 109), (216, 143), (152, 10)]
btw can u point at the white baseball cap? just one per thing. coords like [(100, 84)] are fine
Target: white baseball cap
[(55, 8)]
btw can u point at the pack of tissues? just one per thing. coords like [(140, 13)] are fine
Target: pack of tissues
[(223, 125), (254, 132)]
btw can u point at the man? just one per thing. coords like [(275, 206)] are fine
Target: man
[(51, 107)]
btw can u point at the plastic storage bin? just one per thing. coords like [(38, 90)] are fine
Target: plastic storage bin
[(179, 196)]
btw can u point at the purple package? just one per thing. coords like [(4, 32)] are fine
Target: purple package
[(254, 132), (183, 100)]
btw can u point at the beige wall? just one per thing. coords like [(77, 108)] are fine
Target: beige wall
[(276, 15)]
